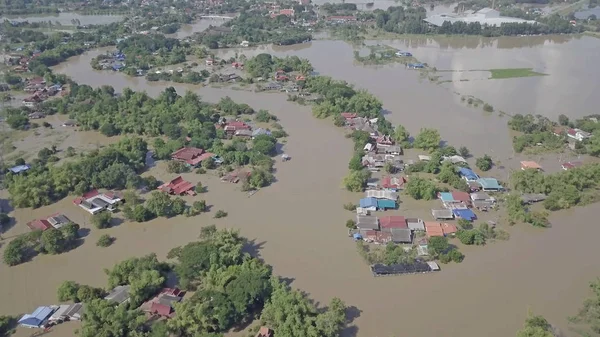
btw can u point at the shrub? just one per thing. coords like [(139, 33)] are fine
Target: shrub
[(484, 163), (220, 214), (102, 220), (350, 207), (105, 240), (488, 108), (351, 224)]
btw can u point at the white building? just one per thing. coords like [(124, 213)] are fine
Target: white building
[(485, 16), (94, 201)]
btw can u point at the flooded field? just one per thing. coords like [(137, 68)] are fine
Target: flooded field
[(196, 27), (298, 223), (66, 18)]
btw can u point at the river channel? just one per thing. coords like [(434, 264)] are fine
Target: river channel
[(298, 222)]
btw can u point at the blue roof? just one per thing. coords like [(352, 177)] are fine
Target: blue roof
[(36, 318), (446, 196), (468, 173), (489, 183), (368, 202), (466, 214), (19, 168), (386, 203)]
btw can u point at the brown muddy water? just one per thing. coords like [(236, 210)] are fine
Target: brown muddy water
[(298, 223), (196, 27)]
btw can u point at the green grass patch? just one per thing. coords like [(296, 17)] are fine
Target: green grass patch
[(513, 73)]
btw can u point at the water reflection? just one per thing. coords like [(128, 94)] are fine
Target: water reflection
[(65, 18)]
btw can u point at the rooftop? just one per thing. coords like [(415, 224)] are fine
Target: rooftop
[(527, 164), (368, 202), (485, 16), (395, 221), (19, 168), (489, 183)]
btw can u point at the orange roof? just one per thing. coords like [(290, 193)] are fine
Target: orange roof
[(433, 229), (449, 228), (527, 164)]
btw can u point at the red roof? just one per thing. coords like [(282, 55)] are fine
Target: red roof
[(161, 309), (571, 165), (392, 182), (39, 224), (394, 221), (177, 186), (461, 196), (200, 158), (349, 115), (186, 153), (264, 332), (238, 125), (572, 132), (172, 292), (433, 229), (448, 228), (86, 196)]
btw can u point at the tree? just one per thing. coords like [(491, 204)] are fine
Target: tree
[(160, 204), (14, 253), (7, 325), (588, 313), (151, 183), (105, 240), (208, 164), (207, 311), (401, 135), (103, 318), (178, 206), (200, 206), (144, 285), (350, 224), (463, 151), (53, 241), (421, 188), (356, 181), (536, 326), (389, 168), (68, 291), (264, 144), (128, 270), (428, 139), (220, 214), (471, 237), (563, 120), (484, 163), (260, 178), (438, 245), (102, 220), (356, 162), (199, 187)]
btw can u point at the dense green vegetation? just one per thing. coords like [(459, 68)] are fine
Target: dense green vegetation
[(586, 320), (484, 163), (537, 134), (231, 288), (513, 73), (390, 254), (536, 326), (51, 241), (265, 65), (518, 212), (7, 325), (565, 189)]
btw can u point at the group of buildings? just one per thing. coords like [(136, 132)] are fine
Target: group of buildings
[(39, 90), (237, 128), (46, 316)]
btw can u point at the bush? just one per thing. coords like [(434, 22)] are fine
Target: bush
[(175, 166), (350, 207), (105, 240), (199, 188), (488, 108), (220, 214), (201, 170), (484, 163), (464, 152), (351, 224), (102, 220)]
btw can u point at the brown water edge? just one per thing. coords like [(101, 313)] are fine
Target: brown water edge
[(298, 223)]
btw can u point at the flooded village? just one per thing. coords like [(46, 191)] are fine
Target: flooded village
[(495, 285)]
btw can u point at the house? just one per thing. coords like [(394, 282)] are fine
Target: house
[(376, 236), (384, 204), (571, 165), (367, 222), (162, 304), (403, 54), (422, 247), (369, 204), (423, 157), (30, 102), (120, 294), (349, 115), (234, 177), (192, 156), (489, 184), (69, 123), (59, 315), (264, 332), (237, 65), (467, 174), (466, 214), (578, 134), (55, 220), (401, 235), (442, 214), (382, 194), (481, 196), (473, 186), (415, 224), (393, 182), (273, 86), (415, 66), (94, 201), (75, 312), (368, 147), (395, 150), (178, 186), (455, 199), (260, 131), (449, 229), (233, 126), (395, 221), (527, 164), (210, 62), (37, 318), (243, 133), (244, 43), (36, 115), (455, 159), (433, 229), (383, 141), (532, 198), (19, 168)]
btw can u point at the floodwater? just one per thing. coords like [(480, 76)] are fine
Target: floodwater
[(65, 18), (196, 27), (298, 223)]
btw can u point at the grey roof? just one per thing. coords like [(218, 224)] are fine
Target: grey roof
[(482, 204), (415, 224), (75, 311), (367, 222), (99, 202), (401, 235), (393, 148), (484, 16), (480, 196), (442, 213), (532, 197), (118, 295)]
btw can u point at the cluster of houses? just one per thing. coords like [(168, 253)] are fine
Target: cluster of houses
[(39, 90), (92, 202), (237, 128), (115, 61), (576, 134), (159, 307)]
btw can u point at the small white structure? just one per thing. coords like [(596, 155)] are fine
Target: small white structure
[(94, 201), (382, 194), (245, 43)]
